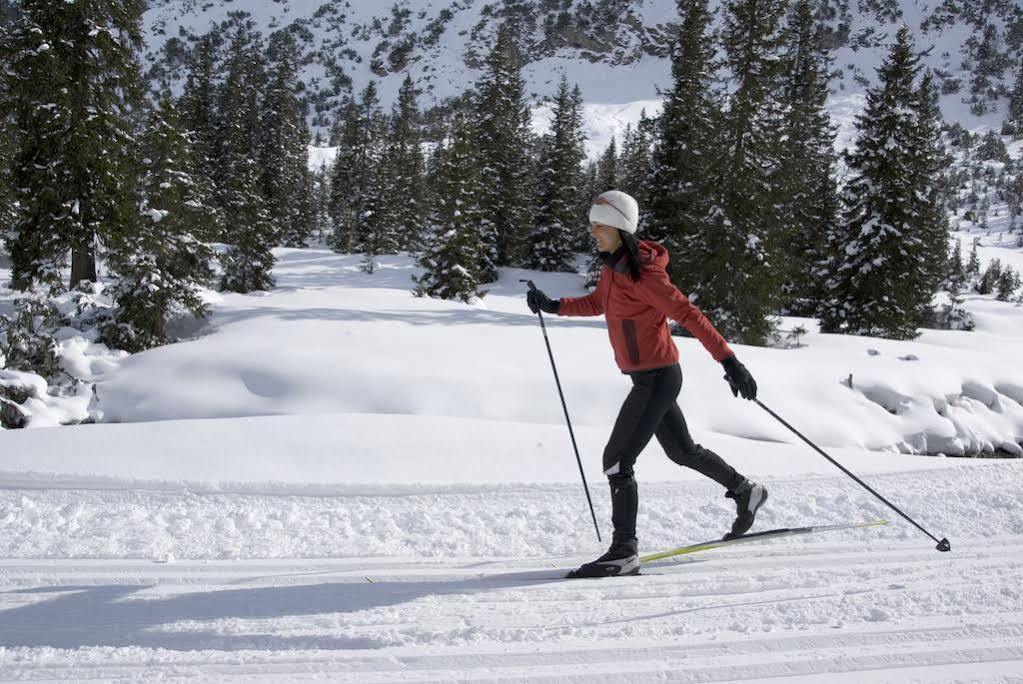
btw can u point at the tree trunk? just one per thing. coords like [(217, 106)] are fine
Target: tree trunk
[(83, 265)]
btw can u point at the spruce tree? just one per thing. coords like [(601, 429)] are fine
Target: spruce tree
[(684, 152), (607, 169), (356, 182), (450, 260), (973, 265), (743, 269), (635, 159), (560, 178), (930, 164), (806, 187), (73, 79), (345, 176), (284, 149), (198, 108), (1016, 103), (881, 253), (249, 228), (502, 122), (161, 267), (397, 223)]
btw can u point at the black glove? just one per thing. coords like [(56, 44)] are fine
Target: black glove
[(538, 301), (739, 378)]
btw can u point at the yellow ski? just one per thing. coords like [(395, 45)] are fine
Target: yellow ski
[(756, 536)]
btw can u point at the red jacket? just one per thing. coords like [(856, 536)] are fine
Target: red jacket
[(637, 313)]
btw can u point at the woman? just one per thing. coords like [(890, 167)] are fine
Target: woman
[(637, 298)]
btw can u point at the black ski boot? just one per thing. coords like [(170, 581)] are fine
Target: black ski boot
[(621, 559), (623, 556), (749, 497)]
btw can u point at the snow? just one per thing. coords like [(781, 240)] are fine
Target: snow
[(337, 480)]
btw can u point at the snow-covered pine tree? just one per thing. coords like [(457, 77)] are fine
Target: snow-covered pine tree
[(807, 187), (160, 268), (344, 179), (356, 177), (744, 273), (198, 107), (74, 84), (635, 159), (249, 229), (558, 221), (505, 141), (930, 163), (1016, 103), (8, 145), (684, 152), (284, 147), (880, 254), (607, 169), (397, 223), (973, 264), (451, 257)]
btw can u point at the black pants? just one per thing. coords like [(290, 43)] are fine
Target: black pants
[(651, 410)]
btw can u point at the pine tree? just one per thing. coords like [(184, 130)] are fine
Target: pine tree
[(607, 169), (356, 182), (451, 258), (883, 273), (73, 79), (684, 152), (249, 228), (398, 221), (1016, 103), (930, 164), (806, 187), (161, 267), (973, 265), (284, 149), (198, 109), (635, 159), (742, 263), (502, 121), (345, 176), (558, 220)]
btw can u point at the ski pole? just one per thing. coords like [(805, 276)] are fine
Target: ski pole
[(943, 544), (564, 407)]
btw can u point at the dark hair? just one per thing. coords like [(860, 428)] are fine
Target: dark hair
[(632, 247)]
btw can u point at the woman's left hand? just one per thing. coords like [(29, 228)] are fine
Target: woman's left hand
[(739, 379)]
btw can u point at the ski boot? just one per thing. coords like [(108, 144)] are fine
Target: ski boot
[(621, 559), (749, 497)]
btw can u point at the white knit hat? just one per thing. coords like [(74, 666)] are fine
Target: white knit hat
[(615, 208)]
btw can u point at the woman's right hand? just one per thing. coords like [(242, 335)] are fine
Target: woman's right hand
[(538, 301)]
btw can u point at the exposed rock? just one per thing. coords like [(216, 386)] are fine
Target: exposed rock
[(12, 416), (17, 394)]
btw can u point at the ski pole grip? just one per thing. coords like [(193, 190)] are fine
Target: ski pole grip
[(528, 282)]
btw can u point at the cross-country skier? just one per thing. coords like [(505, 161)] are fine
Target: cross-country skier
[(636, 298)]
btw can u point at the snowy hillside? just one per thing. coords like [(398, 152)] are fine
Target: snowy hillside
[(624, 42)]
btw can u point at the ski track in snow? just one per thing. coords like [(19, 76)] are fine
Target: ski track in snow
[(369, 604)]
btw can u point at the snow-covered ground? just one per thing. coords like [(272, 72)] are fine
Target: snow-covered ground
[(338, 480)]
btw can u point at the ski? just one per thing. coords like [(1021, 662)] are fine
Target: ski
[(756, 536)]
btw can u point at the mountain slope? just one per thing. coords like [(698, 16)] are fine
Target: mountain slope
[(615, 49)]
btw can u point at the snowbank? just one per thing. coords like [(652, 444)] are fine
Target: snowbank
[(332, 339)]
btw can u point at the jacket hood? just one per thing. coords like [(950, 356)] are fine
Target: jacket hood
[(653, 253)]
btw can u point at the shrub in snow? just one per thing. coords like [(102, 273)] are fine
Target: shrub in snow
[(989, 280), (1007, 284), (26, 343), (992, 148)]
